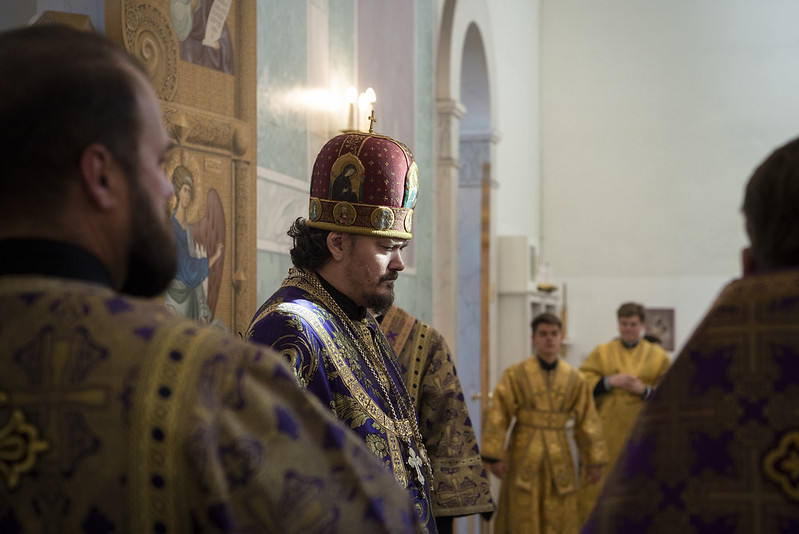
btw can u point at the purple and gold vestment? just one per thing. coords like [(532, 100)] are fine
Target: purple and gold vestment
[(716, 448), (347, 363), (460, 485)]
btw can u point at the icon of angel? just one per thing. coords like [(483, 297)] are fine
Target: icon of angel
[(194, 291)]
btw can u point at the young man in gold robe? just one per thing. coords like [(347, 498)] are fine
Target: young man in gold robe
[(460, 485), (622, 374), (539, 478)]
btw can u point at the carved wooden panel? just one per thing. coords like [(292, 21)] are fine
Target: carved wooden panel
[(200, 55)]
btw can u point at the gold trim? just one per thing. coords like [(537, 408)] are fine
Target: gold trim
[(781, 465), (401, 428), (359, 230), (20, 446)]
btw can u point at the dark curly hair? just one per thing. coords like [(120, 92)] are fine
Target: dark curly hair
[(309, 250)]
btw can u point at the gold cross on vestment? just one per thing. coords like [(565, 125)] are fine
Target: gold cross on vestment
[(66, 392), (416, 462)]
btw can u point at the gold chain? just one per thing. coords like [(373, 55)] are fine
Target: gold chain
[(377, 366)]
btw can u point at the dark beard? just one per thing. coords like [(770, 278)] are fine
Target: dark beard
[(152, 255), (379, 304)]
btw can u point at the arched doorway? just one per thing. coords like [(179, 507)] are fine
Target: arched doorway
[(463, 230), (475, 144)]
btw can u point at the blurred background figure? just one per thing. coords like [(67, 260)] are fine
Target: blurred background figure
[(539, 478)]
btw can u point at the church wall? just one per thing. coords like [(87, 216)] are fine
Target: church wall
[(414, 290), (509, 34), (654, 114), (689, 295), (515, 33), (95, 9), (516, 163), (16, 13)]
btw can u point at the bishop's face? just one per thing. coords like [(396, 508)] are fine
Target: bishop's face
[(373, 263)]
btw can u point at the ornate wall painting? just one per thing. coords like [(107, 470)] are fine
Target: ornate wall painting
[(201, 27), (200, 55)]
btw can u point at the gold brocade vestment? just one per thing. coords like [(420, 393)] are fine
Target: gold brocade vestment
[(118, 416), (538, 492), (618, 408), (460, 485), (716, 448)]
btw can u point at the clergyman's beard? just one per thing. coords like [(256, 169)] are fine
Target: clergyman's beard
[(380, 303), (152, 256)]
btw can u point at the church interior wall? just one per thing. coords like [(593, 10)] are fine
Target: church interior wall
[(515, 32), (510, 30), (16, 13), (653, 117), (689, 295), (418, 297)]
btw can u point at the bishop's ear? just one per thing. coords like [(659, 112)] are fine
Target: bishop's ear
[(100, 175), (337, 244)]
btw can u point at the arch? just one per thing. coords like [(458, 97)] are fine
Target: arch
[(463, 42), (465, 144), (475, 93), (475, 146)]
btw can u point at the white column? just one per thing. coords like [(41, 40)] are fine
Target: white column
[(445, 218)]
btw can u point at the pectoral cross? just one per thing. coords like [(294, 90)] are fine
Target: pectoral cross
[(416, 462), (372, 122)]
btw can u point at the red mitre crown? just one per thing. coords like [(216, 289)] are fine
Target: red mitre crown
[(364, 183)]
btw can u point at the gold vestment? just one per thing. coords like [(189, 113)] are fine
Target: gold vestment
[(460, 485), (118, 416), (618, 408), (716, 448), (538, 492)]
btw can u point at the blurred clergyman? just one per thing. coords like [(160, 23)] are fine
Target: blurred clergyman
[(715, 449), (460, 485)]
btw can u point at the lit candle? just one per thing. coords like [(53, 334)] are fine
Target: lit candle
[(362, 105), (350, 97)]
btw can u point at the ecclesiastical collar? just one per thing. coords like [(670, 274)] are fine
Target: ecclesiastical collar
[(50, 258), (546, 366), (629, 345), (347, 305)]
